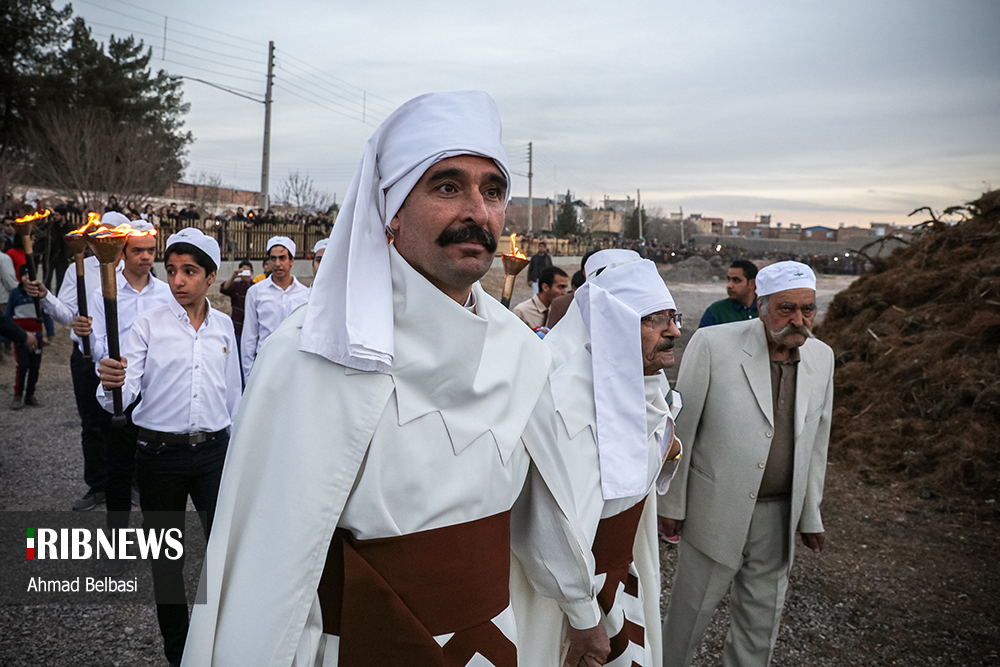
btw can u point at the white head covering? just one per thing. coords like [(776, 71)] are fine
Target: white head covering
[(141, 225), (114, 218), (782, 276), (320, 245), (349, 319), (612, 304), (284, 242), (199, 240)]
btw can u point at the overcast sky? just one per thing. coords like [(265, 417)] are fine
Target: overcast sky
[(818, 112)]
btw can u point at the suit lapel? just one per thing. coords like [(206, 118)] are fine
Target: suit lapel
[(757, 370), (805, 382)]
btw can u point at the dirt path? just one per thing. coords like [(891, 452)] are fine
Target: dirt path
[(904, 581)]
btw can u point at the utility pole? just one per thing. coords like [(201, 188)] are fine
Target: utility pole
[(531, 201), (682, 226), (638, 210), (265, 167)]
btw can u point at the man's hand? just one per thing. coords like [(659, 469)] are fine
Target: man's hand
[(814, 541), (81, 325), (31, 342), (589, 648), (670, 527), (674, 450), (35, 288), (112, 372)]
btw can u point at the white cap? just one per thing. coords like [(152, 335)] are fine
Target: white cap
[(320, 245), (284, 242), (142, 226), (114, 218), (782, 276), (199, 240)]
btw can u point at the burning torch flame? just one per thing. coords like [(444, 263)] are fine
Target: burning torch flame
[(123, 229), (514, 251), (37, 215), (93, 220)]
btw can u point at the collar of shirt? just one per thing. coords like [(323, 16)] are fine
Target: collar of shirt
[(124, 285), (294, 287), (182, 315), (793, 357)]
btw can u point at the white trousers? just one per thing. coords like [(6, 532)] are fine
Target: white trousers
[(757, 594)]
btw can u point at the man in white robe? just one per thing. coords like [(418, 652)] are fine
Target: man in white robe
[(370, 524), (615, 431)]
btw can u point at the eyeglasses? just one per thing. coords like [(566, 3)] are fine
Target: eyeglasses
[(662, 320)]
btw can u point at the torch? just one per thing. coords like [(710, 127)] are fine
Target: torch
[(76, 241), (107, 245), (24, 226), (513, 263)]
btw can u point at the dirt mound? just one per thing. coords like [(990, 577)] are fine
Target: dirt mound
[(696, 269), (917, 341)]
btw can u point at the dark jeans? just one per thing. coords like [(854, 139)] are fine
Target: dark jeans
[(167, 475), (28, 363), (92, 417), (120, 448)]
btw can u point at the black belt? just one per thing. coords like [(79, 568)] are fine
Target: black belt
[(178, 438)]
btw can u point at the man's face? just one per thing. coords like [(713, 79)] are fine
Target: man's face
[(8, 227), (658, 332), (316, 260), (549, 292), (448, 226), (789, 317), (281, 262), (738, 287), (543, 249), (140, 251), (188, 281)]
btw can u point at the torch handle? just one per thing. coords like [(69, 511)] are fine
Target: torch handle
[(29, 259), (81, 300), (508, 290), (111, 319)]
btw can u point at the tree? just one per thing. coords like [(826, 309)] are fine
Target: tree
[(566, 223), (52, 69), (300, 192), (631, 228)]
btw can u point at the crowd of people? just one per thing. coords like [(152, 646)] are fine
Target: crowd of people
[(394, 469)]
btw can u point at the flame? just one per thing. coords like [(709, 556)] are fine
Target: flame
[(514, 251), (37, 215), (123, 229), (93, 220)]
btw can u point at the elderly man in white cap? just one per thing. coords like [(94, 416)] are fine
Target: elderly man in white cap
[(181, 359), (270, 301), (371, 523), (758, 396), (615, 430)]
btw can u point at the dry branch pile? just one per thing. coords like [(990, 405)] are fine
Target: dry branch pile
[(917, 341)]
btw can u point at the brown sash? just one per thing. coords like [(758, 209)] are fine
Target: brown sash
[(612, 549), (387, 598)]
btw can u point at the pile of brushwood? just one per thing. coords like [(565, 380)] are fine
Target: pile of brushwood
[(917, 343)]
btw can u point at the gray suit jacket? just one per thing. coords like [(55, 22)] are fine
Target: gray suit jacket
[(726, 427)]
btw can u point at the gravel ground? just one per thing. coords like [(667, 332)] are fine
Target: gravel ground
[(904, 581)]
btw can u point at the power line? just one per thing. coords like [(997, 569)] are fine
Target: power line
[(361, 102), (313, 100), (360, 109), (391, 105), (225, 88)]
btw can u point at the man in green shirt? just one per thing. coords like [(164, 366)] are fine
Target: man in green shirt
[(741, 305)]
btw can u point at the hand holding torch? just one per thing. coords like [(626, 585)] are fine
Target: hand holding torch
[(24, 226), (107, 245), (76, 241), (513, 263)]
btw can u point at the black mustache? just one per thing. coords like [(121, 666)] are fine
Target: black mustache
[(468, 233)]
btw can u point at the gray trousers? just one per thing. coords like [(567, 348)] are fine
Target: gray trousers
[(756, 598)]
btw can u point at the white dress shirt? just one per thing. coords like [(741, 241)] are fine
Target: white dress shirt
[(266, 306), (189, 380), (64, 307), (131, 304)]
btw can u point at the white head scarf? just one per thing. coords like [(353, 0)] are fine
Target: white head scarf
[(349, 319), (284, 242), (320, 245), (612, 303)]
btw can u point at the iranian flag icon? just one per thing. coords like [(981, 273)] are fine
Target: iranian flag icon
[(31, 544)]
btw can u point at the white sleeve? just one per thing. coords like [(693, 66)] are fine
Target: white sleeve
[(99, 329), (57, 309), (251, 330)]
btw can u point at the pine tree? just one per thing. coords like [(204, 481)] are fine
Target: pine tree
[(566, 223)]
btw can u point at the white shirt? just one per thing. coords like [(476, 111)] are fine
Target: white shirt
[(189, 380), (131, 304), (8, 279), (64, 307), (266, 306)]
